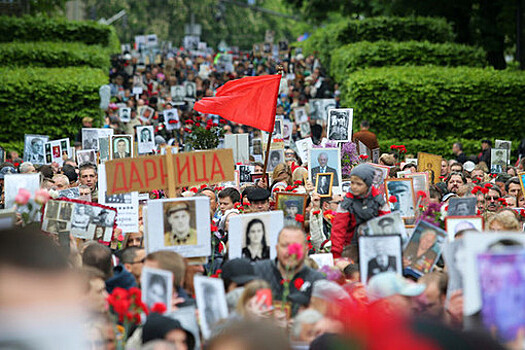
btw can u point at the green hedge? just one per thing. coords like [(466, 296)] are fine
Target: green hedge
[(324, 40), (27, 29), (17, 146), (437, 102), (365, 54), (52, 54), (49, 101)]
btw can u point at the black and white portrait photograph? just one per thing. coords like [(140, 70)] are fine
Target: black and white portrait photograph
[(498, 160), (255, 235), (34, 148), (291, 204), (86, 156), (305, 130), (211, 302), (171, 119), (340, 124), (283, 46), (71, 193), (464, 206), (121, 146), (91, 136), (379, 254), (389, 224), (181, 225), (276, 156), (124, 114), (146, 140), (461, 224), (325, 160), (287, 131), (403, 192), (190, 89), (103, 148), (319, 108), (423, 248), (146, 113), (303, 148), (381, 173), (157, 287), (323, 184), (419, 182), (245, 172), (345, 186), (178, 93), (278, 128), (300, 115), (503, 144)]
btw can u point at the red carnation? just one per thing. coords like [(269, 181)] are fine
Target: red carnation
[(194, 189), (488, 185), (288, 188), (298, 283), (363, 156), (392, 199), (421, 194), (221, 247), (198, 118), (316, 212), (215, 124), (197, 124), (298, 182), (189, 121), (277, 189), (299, 218), (485, 190), (214, 228), (159, 308)]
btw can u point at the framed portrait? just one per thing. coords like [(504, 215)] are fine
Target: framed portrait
[(498, 160), (245, 173), (458, 224), (323, 259), (103, 149), (71, 193), (305, 130), (276, 157), (376, 153), (379, 254), (81, 219), (403, 191), (157, 287), (146, 113), (121, 146), (504, 144), (340, 124), (278, 128), (14, 182), (419, 181), (319, 108), (190, 89), (145, 139), (502, 282), (381, 174), (345, 186), (475, 244), (291, 204), (323, 184), (34, 148), (303, 147), (124, 114), (91, 136), (56, 151), (423, 248), (431, 164), (211, 302), (464, 206), (240, 144), (389, 224), (287, 131), (178, 93), (300, 115), (254, 236), (325, 160), (171, 119), (179, 224), (522, 181), (86, 156)]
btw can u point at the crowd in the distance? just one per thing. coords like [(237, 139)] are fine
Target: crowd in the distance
[(330, 306)]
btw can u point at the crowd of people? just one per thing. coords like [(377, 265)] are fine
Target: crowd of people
[(311, 306)]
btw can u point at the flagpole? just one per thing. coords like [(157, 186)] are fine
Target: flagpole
[(280, 70)]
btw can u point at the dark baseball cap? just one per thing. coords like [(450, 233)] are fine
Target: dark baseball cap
[(258, 194), (239, 271)]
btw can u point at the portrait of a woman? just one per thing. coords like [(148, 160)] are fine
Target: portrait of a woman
[(256, 247)]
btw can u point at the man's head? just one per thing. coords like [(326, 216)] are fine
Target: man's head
[(492, 197), (322, 159), (208, 192), (98, 256), (486, 144), (365, 125), (121, 146), (275, 159), (170, 261), (95, 287), (457, 148), (88, 175), (303, 325), (432, 302), (37, 145), (512, 186), (87, 122), (133, 259), (454, 181), (61, 182), (444, 167), (259, 199), (27, 168), (179, 217), (427, 240), (227, 198), (386, 224), (290, 235), (456, 168)]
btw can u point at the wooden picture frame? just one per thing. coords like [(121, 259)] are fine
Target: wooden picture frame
[(324, 193), (390, 192), (413, 175), (522, 181), (280, 204)]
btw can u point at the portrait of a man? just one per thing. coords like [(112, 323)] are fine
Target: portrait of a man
[(462, 206), (382, 262), (324, 184), (276, 157), (177, 93), (121, 147), (179, 224), (124, 114), (86, 157), (339, 123), (81, 218), (402, 190), (156, 289), (498, 160), (423, 248), (34, 149), (379, 254), (145, 135), (323, 167)]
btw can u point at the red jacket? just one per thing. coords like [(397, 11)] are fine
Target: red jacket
[(345, 221)]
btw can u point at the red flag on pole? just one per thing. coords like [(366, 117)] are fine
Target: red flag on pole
[(249, 101)]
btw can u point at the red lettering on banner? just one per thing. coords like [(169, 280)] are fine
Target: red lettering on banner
[(135, 176), (119, 166), (181, 171), (146, 173), (162, 173), (216, 169), (205, 178)]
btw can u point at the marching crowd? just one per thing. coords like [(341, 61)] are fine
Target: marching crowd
[(321, 307)]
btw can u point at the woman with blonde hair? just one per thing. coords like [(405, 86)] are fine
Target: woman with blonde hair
[(281, 177), (249, 305), (504, 220)]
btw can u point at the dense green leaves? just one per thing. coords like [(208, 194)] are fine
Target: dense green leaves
[(365, 54), (50, 101), (438, 102), (45, 29), (52, 54)]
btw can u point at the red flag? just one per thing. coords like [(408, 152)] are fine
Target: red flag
[(249, 101)]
